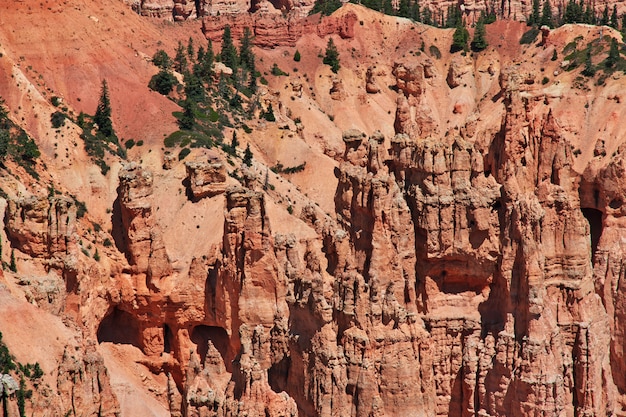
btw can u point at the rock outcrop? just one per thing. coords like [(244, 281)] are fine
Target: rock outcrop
[(143, 242), (206, 177)]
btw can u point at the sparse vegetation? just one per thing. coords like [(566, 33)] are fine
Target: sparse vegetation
[(529, 36), (331, 57), (277, 71), (57, 119), (459, 39), (434, 52)]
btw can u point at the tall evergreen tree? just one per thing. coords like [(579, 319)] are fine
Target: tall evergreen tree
[(191, 52), (246, 56), (546, 15), (535, 16), (427, 16), (103, 112), (604, 20), (590, 17), (187, 120), (613, 57), (589, 70), (623, 27), (459, 39), (180, 60), (479, 43), (404, 8), (234, 143), (228, 53), (247, 156), (614, 22), (332, 56), (416, 14)]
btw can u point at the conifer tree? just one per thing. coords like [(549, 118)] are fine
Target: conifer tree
[(479, 43), (228, 53), (613, 57), (180, 60), (427, 16), (416, 14), (589, 70), (247, 156), (191, 52), (13, 265), (614, 23), (103, 113), (246, 56), (546, 15), (234, 143), (535, 16), (604, 20), (404, 8), (187, 120), (332, 56), (459, 39)]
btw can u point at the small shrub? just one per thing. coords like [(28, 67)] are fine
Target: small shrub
[(57, 119), (545, 80), (434, 52), (163, 82), (183, 153), (277, 71), (140, 143), (107, 243), (296, 56), (129, 143)]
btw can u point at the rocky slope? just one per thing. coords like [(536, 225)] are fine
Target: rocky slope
[(452, 247)]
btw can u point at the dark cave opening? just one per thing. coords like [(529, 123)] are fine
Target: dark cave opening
[(120, 327), (167, 338), (202, 334), (594, 217)]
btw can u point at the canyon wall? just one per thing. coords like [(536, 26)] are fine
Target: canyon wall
[(459, 259)]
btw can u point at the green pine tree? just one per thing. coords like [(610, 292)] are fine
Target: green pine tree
[(246, 56), (188, 118), (613, 57), (614, 22), (404, 8), (589, 70), (103, 112), (332, 56), (180, 60), (234, 143), (162, 60), (228, 53), (13, 265), (415, 11), (535, 16), (191, 52), (296, 56), (479, 43), (459, 39), (247, 156), (604, 20), (546, 15)]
